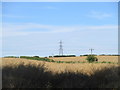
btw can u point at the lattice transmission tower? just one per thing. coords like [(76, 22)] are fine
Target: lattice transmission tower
[(91, 50), (61, 48)]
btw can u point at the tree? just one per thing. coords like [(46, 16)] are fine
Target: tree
[(91, 58)]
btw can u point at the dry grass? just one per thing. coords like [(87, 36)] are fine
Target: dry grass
[(86, 68), (83, 58), (60, 74)]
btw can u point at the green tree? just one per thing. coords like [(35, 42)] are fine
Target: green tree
[(91, 58)]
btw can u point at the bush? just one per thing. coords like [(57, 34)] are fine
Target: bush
[(88, 55), (50, 56), (37, 58), (91, 58), (109, 55), (84, 55), (23, 56), (11, 57), (65, 56)]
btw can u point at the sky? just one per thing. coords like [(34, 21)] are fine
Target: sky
[(35, 28), (60, 0)]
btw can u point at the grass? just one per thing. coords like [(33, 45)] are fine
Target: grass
[(82, 62), (26, 73), (66, 60), (37, 75), (83, 58)]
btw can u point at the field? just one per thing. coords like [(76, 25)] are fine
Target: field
[(25, 73), (83, 58)]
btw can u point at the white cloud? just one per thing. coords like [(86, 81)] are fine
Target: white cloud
[(38, 39), (15, 29), (99, 15)]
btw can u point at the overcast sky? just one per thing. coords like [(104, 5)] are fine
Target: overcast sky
[(36, 28)]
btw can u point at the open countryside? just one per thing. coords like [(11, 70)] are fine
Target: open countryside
[(60, 45), (44, 74)]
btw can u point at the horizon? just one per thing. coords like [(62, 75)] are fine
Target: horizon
[(69, 55), (35, 28)]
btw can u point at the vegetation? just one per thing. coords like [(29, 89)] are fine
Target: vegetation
[(88, 55), (82, 62), (37, 58), (50, 60), (91, 58), (29, 75), (109, 55), (50, 56), (65, 56), (11, 57), (101, 55)]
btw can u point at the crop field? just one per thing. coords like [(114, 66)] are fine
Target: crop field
[(25, 73), (83, 58)]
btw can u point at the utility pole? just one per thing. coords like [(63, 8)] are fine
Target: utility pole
[(61, 48), (91, 50)]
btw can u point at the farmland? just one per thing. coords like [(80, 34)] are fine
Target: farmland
[(83, 58), (24, 73)]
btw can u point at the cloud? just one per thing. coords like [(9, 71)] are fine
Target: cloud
[(99, 15), (13, 29), (39, 39), (21, 29)]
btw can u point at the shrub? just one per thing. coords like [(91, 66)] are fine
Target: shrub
[(23, 56), (50, 56), (36, 56), (88, 55), (65, 56), (11, 57), (91, 58), (84, 55)]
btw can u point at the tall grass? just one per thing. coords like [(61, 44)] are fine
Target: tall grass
[(38, 76)]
